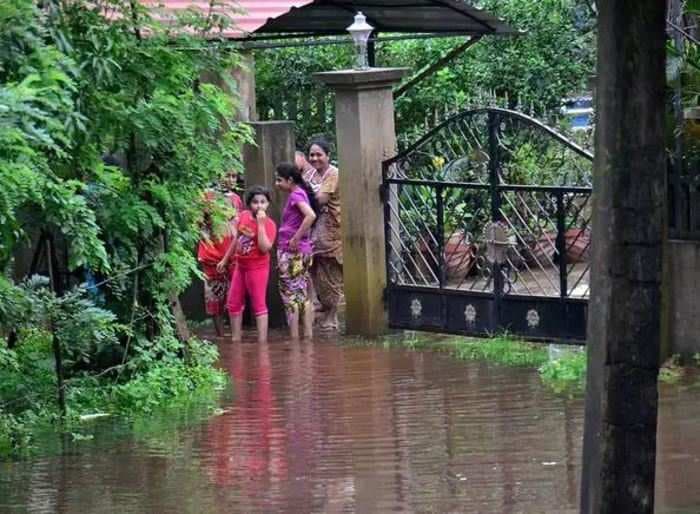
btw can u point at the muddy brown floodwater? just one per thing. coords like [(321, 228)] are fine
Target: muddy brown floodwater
[(327, 428)]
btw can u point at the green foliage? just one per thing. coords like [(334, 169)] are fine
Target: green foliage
[(76, 86), (282, 71), (545, 163), (671, 372), (37, 91), (566, 374), (73, 318), (683, 69), (164, 382), (28, 388), (501, 350), (27, 391), (553, 58), (156, 375)]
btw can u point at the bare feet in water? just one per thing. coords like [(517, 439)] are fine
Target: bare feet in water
[(328, 322)]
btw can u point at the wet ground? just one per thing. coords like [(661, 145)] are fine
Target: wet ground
[(320, 427)]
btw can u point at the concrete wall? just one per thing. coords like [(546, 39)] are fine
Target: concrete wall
[(244, 76), (683, 296)]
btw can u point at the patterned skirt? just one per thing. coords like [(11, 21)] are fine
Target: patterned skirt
[(328, 281), (215, 294), (294, 275)]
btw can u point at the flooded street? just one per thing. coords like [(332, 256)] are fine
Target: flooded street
[(323, 428)]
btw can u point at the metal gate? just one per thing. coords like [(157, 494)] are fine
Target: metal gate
[(487, 229)]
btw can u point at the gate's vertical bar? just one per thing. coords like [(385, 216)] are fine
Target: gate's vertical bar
[(384, 195), (561, 245), (676, 15), (494, 166), (439, 189)]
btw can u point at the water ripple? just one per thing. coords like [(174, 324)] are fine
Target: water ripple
[(323, 428)]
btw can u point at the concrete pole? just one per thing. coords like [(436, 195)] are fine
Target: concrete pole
[(239, 82), (365, 137), (244, 76), (624, 326), (275, 144)]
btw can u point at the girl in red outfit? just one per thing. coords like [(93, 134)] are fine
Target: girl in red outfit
[(254, 235), (211, 249)]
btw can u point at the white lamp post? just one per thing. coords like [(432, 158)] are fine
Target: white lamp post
[(360, 31)]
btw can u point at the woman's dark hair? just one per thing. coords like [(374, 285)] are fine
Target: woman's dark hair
[(321, 143), (255, 191), (289, 171)]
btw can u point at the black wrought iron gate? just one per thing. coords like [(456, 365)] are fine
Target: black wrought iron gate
[(487, 229)]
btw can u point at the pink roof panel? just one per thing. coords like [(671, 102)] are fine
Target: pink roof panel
[(247, 15), (328, 17), (259, 11)]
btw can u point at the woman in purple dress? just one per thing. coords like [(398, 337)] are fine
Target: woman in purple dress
[(294, 248)]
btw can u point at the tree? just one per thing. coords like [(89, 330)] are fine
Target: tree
[(624, 327), (552, 59), (108, 139)]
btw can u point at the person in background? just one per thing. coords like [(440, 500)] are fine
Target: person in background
[(254, 235), (294, 248), (307, 171), (213, 245), (229, 185), (327, 268)]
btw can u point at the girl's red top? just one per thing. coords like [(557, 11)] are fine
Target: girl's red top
[(248, 255)]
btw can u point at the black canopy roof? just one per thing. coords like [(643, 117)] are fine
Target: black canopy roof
[(331, 17)]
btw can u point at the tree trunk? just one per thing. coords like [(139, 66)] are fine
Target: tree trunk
[(55, 342), (624, 326), (181, 328)]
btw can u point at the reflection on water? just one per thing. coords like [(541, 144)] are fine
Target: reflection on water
[(317, 427)]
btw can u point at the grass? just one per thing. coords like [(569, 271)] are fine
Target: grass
[(677, 370), (501, 350), (567, 374), (564, 375), (28, 407)]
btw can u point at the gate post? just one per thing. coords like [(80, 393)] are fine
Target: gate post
[(365, 136)]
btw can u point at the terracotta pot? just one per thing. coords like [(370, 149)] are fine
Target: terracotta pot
[(459, 256), (423, 262), (577, 243), (543, 250)]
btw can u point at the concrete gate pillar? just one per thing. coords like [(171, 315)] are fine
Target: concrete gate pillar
[(365, 137)]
